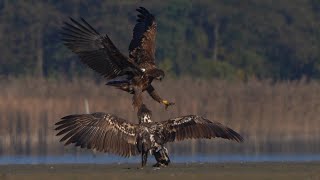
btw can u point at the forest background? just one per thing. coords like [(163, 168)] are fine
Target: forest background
[(253, 65)]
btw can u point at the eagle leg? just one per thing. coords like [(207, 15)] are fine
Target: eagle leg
[(137, 98), (152, 92), (144, 158), (162, 157)]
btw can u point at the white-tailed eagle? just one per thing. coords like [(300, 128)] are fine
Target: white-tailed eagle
[(108, 133), (133, 74)]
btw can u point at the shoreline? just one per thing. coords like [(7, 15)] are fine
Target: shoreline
[(224, 171)]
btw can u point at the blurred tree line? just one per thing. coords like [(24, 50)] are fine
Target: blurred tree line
[(206, 38)]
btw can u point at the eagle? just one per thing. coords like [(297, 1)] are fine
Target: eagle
[(109, 133), (133, 74)]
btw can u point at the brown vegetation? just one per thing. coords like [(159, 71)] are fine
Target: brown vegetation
[(267, 114)]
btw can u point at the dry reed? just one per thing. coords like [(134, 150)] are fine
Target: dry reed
[(266, 114)]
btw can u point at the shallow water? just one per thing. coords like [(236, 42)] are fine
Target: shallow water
[(111, 159)]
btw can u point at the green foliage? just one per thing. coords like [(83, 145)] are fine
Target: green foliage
[(209, 68), (263, 39)]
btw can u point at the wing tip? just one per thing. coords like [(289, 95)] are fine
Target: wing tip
[(73, 20), (240, 138), (144, 11), (141, 8), (235, 136)]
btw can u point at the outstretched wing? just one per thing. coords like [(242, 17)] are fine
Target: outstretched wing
[(193, 126), (142, 46), (95, 50), (100, 131)]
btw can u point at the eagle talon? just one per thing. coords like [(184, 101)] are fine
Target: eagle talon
[(158, 165), (167, 104)]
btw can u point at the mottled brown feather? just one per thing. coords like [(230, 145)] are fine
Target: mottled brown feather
[(100, 131), (193, 126)]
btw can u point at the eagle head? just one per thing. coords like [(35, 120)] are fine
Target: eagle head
[(144, 114), (157, 74)]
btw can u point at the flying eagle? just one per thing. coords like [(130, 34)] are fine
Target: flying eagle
[(133, 74), (108, 133)]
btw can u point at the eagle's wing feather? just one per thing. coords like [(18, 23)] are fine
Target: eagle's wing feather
[(142, 46), (192, 126), (96, 51), (100, 131)]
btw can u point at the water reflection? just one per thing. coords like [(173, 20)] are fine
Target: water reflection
[(111, 159), (25, 142)]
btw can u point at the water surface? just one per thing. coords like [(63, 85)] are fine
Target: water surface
[(111, 159)]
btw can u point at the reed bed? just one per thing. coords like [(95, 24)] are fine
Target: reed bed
[(272, 117)]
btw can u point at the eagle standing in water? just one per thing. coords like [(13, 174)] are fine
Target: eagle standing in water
[(133, 74), (109, 133)]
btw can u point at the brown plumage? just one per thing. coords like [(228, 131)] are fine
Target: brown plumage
[(134, 74), (142, 46), (100, 131), (108, 133)]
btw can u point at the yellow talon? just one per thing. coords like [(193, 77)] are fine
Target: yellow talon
[(165, 102)]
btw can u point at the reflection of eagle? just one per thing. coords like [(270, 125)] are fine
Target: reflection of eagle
[(134, 74), (109, 133)]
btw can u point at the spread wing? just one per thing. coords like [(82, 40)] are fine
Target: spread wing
[(96, 51), (142, 46), (193, 126), (100, 131)]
